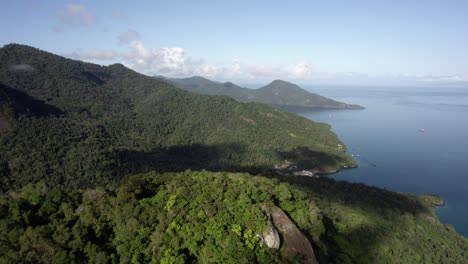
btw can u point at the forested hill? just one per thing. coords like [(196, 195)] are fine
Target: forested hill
[(202, 217), (201, 85), (284, 93), (278, 92), (66, 124), (79, 124)]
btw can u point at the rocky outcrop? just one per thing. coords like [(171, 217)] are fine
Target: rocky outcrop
[(294, 243), (270, 238), (4, 125)]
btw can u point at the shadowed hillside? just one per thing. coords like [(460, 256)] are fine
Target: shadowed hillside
[(81, 124)]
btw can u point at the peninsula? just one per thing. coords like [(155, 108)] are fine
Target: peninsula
[(279, 93)]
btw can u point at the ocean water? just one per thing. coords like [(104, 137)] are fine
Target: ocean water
[(407, 139)]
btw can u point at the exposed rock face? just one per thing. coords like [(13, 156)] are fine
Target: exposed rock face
[(4, 125), (270, 238), (295, 244)]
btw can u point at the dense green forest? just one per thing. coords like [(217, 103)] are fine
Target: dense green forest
[(280, 93), (80, 124), (101, 164), (207, 217)]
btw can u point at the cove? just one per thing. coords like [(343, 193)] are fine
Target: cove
[(407, 140)]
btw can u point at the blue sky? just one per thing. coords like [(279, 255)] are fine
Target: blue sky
[(357, 42)]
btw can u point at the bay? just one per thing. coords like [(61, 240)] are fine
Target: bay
[(407, 139)]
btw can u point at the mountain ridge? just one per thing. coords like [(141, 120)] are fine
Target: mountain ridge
[(278, 92), (114, 122)]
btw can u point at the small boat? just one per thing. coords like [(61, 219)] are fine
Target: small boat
[(422, 130), (440, 203)]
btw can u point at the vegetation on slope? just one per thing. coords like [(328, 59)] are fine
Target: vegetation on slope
[(80, 124), (214, 217), (200, 85), (280, 93), (68, 124)]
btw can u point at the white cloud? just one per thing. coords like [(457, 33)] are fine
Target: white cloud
[(174, 62), (128, 36), (299, 70), (170, 61), (76, 15), (444, 78)]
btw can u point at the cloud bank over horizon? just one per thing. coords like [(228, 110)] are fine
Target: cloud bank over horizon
[(397, 43), (130, 49), (173, 62)]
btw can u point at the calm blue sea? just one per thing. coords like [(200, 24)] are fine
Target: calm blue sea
[(410, 140)]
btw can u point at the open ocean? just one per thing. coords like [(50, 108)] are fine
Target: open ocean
[(410, 140)]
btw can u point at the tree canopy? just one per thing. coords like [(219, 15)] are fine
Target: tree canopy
[(215, 217), (81, 124), (101, 164)]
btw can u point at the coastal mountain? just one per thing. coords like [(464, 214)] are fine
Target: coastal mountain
[(287, 94), (81, 124), (202, 85), (278, 92), (101, 164)]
